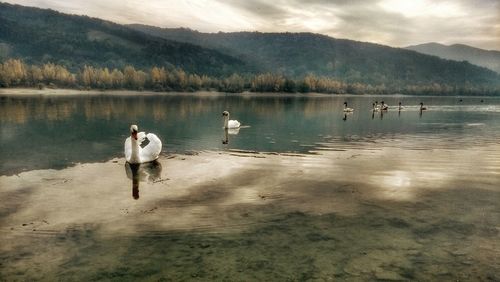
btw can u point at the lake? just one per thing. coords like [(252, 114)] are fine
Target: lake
[(57, 131), (303, 191)]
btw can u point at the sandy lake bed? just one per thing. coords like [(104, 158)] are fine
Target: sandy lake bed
[(237, 215)]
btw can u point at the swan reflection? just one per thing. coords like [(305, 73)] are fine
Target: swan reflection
[(229, 131), (148, 172), (345, 115)]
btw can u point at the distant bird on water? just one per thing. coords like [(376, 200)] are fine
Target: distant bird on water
[(384, 107), (230, 123), (346, 109)]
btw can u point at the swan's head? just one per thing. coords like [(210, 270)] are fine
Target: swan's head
[(421, 104), (345, 103), (133, 131), (225, 113)]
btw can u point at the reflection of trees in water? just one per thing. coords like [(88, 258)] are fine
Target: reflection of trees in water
[(23, 109), (147, 172)]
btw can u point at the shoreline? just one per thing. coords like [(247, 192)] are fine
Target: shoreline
[(62, 92)]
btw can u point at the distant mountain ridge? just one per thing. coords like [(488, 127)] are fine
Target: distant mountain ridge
[(460, 52), (39, 36), (298, 54)]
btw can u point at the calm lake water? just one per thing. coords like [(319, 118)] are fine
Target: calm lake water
[(302, 192), (57, 131)]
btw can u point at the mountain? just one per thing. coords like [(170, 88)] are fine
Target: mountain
[(299, 54), (40, 35), (459, 52)]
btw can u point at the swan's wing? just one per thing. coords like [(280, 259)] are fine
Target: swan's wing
[(141, 136), (233, 124), (152, 150), (128, 149)]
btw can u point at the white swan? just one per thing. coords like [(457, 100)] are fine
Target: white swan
[(374, 108), (422, 108), (346, 109), (230, 123), (134, 153), (384, 107)]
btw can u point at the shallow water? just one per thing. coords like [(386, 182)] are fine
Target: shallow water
[(398, 196)]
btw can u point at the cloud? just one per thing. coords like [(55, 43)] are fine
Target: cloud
[(390, 22)]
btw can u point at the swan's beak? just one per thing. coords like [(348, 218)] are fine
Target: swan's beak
[(134, 135)]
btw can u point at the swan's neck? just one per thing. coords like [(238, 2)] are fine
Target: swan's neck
[(226, 121), (134, 157)]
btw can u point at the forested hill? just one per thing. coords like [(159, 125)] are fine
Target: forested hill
[(39, 36), (298, 54), (460, 52)]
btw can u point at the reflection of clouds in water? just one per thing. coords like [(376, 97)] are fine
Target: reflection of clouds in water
[(394, 184), (405, 185)]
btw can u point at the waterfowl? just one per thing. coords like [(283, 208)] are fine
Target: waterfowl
[(375, 108), (134, 153), (230, 123), (422, 108), (399, 106), (384, 107), (346, 109)]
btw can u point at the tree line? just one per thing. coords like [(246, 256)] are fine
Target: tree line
[(15, 73)]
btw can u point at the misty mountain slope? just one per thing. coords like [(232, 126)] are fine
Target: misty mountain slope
[(298, 54), (459, 52), (40, 35)]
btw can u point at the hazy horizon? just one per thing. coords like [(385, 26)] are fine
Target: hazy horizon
[(389, 22)]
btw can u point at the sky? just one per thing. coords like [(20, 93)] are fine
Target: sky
[(397, 23)]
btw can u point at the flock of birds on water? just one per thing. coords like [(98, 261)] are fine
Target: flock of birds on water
[(135, 153), (376, 107)]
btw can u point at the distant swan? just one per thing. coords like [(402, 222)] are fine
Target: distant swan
[(230, 123), (422, 108), (346, 109), (400, 107), (375, 108), (384, 107), (134, 153)]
